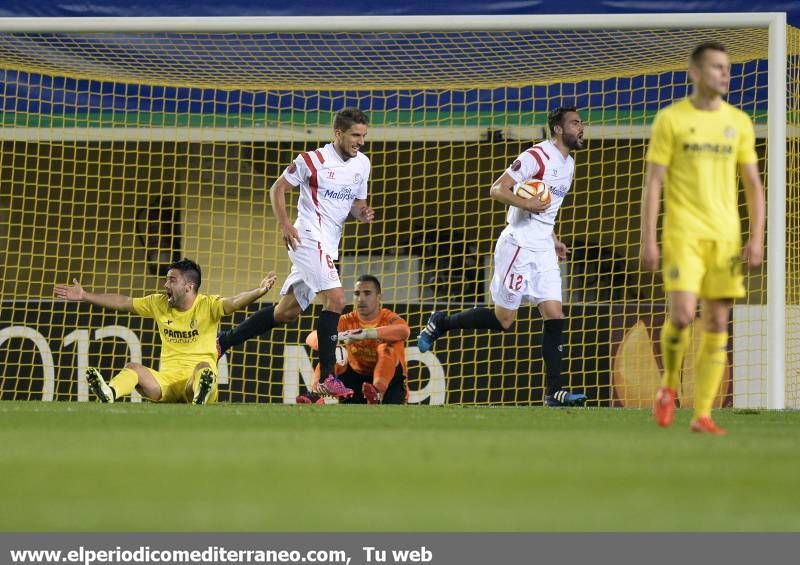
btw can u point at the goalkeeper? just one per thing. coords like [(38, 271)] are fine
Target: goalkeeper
[(374, 338), (188, 323)]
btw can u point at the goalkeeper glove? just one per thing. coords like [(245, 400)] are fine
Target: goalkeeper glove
[(357, 335)]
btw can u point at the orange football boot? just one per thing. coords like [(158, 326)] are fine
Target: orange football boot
[(664, 407), (705, 425)]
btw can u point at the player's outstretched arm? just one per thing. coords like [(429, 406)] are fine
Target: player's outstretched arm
[(361, 211), (76, 293), (649, 255), (398, 330), (753, 252), (241, 300)]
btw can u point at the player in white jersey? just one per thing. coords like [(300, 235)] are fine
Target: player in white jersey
[(333, 185), (527, 252)]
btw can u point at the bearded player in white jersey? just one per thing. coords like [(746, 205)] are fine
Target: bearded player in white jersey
[(527, 252), (333, 185)]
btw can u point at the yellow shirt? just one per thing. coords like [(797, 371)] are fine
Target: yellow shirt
[(189, 337), (701, 150)]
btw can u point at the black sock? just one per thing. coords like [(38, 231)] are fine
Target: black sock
[(258, 323), (552, 351), (473, 319), (327, 330)]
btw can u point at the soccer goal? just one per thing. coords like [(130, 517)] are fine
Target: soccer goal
[(129, 143)]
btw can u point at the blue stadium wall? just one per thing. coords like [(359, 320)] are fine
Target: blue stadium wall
[(65, 8), (54, 96)]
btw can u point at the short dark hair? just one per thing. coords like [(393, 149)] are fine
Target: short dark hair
[(696, 57), (370, 278), (346, 117), (556, 117), (190, 270)]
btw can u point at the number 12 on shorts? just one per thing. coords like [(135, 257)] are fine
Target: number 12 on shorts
[(514, 281)]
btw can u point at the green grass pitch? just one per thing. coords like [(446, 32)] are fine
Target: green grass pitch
[(129, 467)]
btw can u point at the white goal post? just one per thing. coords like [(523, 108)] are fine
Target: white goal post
[(776, 133)]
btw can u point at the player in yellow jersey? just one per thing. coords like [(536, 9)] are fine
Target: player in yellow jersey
[(695, 147), (188, 323)]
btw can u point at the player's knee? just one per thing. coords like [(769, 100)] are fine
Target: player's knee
[(551, 310), (717, 328), (507, 325), (505, 318), (681, 318), (286, 314), (388, 351), (134, 366), (202, 365), (283, 317), (336, 303), (717, 323), (506, 321)]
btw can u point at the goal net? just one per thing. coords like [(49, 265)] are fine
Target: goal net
[(123, 151)]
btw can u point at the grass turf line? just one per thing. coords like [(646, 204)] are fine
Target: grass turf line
[(146, 467)]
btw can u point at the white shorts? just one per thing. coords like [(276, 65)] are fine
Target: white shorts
[(522, 275), (312, 271)]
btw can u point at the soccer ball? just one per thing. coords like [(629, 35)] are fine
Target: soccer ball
[(533, 187)]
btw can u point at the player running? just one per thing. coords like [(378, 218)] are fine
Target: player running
[(333, 185), (527, 252)]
